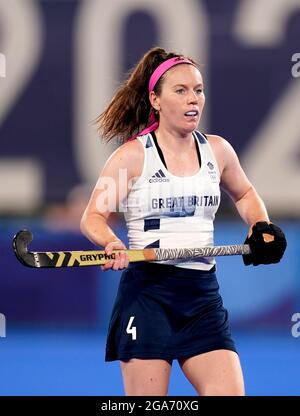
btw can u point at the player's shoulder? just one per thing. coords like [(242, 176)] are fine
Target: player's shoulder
[(215, 139), (127, 156), (128, 151), (219, 143), (223, 151)]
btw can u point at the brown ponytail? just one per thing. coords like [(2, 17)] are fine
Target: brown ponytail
[(129, 110)]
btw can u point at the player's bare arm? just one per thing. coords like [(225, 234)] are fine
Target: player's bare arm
[(112, 187), (236, 184)]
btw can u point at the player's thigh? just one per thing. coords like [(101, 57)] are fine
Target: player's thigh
[(146, 376), (215, 373)]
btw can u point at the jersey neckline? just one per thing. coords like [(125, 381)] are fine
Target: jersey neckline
[(163, 165)]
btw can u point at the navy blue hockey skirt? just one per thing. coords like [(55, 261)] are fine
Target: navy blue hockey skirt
[(167, 312)]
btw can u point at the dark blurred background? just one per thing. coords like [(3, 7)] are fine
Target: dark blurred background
[(60, 63)]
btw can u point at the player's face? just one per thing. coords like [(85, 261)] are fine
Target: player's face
[(181, 101)]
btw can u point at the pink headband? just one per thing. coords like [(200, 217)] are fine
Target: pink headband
[(157, 74), (163, 67)]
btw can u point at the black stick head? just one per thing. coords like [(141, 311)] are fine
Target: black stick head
[(20, 245)]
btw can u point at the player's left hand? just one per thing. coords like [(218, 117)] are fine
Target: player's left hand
[(267, 243)]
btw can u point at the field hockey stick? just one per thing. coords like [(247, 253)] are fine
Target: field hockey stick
[(99, 257)]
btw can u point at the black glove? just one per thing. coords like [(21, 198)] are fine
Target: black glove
[(263, 252)]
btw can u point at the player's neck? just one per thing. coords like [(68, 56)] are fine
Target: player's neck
[(174, 140)]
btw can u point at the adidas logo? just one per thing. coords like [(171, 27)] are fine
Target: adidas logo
[(210, 165), (159, 176)]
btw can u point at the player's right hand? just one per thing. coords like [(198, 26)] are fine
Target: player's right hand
[(121, 261)]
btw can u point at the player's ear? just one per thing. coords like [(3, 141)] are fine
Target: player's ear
[(154, 100)]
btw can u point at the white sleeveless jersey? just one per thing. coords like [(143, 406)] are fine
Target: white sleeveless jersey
[(168, 211)]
